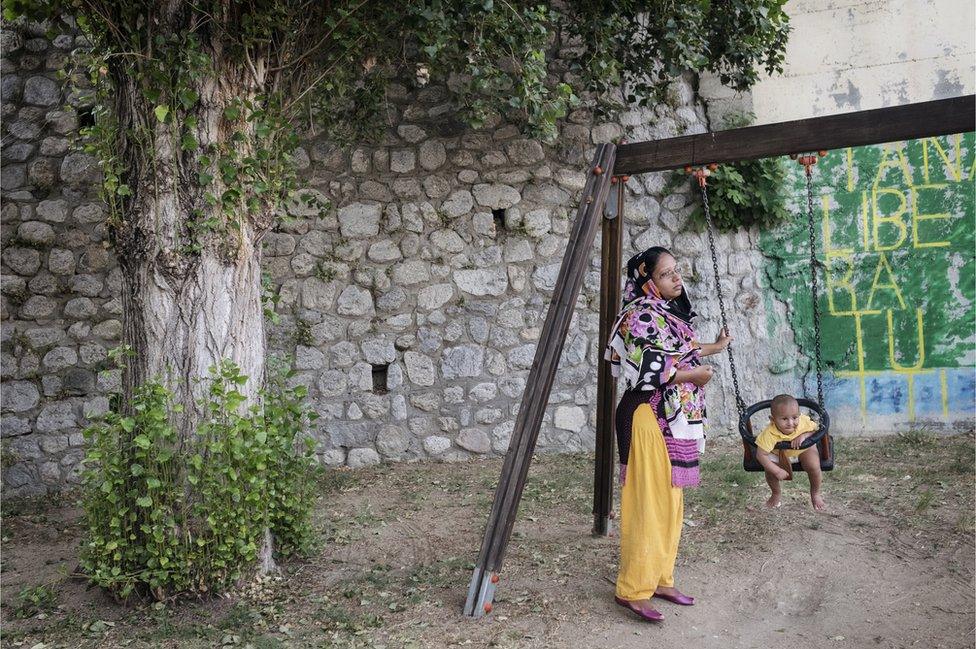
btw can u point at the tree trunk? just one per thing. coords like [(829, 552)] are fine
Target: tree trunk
[(180, 327), (191, 297)]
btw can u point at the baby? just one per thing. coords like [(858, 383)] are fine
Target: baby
[(786, 424)]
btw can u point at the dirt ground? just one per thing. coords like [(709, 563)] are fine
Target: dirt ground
[(890, 564)]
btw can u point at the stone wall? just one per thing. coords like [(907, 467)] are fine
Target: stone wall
[(60, 310), (412, 305)]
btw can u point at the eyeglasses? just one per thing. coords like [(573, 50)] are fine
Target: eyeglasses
[(674, 273)]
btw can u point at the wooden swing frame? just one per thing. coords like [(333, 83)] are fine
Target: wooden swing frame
[(603, 201)]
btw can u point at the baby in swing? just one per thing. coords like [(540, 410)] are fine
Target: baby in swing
[(786, 424)]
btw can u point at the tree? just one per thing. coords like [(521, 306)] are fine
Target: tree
[(197, 106)]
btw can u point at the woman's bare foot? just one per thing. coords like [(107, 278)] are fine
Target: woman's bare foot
[(774, 501), (818, 501)]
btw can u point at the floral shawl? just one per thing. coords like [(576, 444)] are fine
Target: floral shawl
[(650, 341)]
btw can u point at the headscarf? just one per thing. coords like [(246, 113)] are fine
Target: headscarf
[(651, 335), (651, 340), (640, 283)]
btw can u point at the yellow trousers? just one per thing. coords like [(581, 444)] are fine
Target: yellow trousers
[(651, 512)]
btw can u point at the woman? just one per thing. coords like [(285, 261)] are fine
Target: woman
[(660, 424)]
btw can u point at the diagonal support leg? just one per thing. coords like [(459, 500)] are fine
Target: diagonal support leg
[(508, 494)]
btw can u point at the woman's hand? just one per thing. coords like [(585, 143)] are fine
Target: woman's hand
[(723, 340), (699, 375), (721, 344), (623, 474)]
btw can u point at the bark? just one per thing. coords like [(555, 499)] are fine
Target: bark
[(186, 309)]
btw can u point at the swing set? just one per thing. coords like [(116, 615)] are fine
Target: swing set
[(611, 167), (821, 438)]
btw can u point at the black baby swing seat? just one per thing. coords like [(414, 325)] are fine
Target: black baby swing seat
[(821, 438)]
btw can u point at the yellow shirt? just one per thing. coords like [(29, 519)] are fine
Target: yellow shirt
[(770, 436)]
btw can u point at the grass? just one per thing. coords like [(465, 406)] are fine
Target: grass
[(397, 545), (918, 479), (34, 600), (570, 483)]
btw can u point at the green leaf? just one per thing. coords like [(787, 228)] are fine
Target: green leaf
[(188, 97), (161, 112), (128, 424), (144, 501), (142, 441)]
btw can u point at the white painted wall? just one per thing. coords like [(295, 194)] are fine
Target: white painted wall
[(847, 55)]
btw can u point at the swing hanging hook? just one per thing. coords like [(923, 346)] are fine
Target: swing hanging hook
[(808, 161), (701, 174)]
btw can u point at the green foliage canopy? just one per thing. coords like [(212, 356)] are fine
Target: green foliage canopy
[(327, 65)]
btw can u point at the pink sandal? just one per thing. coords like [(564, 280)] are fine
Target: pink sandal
[(679, 599), (642, 608)]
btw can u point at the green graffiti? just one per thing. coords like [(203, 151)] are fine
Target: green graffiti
[(895, 235)]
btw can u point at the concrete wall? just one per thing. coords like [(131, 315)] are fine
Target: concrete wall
[(847, 55), (895, 234), (894, 222)]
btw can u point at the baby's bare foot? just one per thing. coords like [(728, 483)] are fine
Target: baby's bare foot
[(818, 501), (773, 501)]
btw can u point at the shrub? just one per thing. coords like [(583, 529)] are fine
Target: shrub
[(743, 194), (166, 515)]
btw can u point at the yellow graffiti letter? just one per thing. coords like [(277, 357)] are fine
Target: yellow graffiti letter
[(829, 249), (850, 168), (894, 218), (916, 217), (887, 162), (955, 171), (843, 283), (865, 228), (890, 284), (921, 344)]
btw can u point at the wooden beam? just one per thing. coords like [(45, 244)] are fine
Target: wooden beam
[(508, 493), (606, 385), (895, 124)]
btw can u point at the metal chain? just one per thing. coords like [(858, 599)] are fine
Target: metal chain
[(813, 286), (721, 300)]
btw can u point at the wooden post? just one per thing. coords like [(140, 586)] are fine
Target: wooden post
[(508, 494), (606, 386)]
